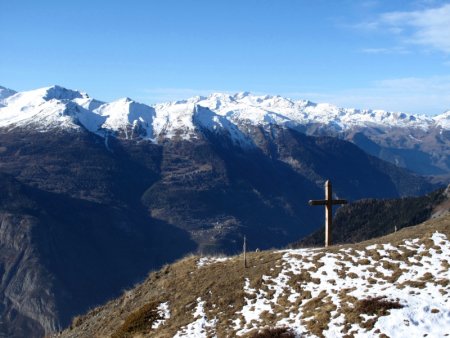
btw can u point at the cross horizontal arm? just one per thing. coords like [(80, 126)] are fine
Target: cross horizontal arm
[(317, 202), (339, 202)]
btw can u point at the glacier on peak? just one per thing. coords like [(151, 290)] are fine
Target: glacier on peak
[(131, 118)]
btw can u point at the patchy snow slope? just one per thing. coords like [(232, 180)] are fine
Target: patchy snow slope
[(201, 327), (312, 283), (164, 314)]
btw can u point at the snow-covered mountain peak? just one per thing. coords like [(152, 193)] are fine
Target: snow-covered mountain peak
[(220, 97), (88, 103), (5, 93), (60, 93), (207, 119), (244, 109), (306, 103), (443, 120), (241, 95), (444, 115), (175, 119), (125, 100), (48, 108), (128, 117), (38, 96), (229, 113)]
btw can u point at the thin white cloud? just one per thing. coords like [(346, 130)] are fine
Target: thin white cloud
[(161, 95), (429, 96), (428, 27), (420, 95), (393, 50), (158, 95)]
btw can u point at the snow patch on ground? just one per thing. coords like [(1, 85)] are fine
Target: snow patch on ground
[(164, 313), (422, 289), (201, 326), (204, 261)]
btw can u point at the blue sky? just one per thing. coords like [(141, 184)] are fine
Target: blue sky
[(392, 54)]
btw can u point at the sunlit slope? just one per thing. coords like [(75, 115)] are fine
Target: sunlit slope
[(396, 285)]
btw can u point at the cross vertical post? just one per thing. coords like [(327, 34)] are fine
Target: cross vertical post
[(328, 202), (328, 213), (244, 249)]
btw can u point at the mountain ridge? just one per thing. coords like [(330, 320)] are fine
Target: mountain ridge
[(245, 106), (417, 142)]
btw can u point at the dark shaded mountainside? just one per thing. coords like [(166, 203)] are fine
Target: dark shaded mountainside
[(371, 218), (424, 152), (82, 217), (60, 255)]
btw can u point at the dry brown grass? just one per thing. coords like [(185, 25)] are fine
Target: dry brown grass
[(376, 306), (353, 309), (139, 321), (273, 332), (317, 313), (221, 286)]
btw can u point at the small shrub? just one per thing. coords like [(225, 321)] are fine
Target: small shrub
[(274, 332), (77, 321), (139, 321), (376, 306)]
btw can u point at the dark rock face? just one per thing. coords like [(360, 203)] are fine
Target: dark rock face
[(74, 233), (423, 152), (82, 218)]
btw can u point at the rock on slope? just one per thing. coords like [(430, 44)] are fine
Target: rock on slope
[(397, 285)]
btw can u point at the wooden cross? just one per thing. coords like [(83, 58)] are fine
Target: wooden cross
[(328, 202)]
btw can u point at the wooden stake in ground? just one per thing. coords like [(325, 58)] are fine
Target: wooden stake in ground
[(244, 249), (328, 202)]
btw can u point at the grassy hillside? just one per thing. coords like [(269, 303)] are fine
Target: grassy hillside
[(397, 283)]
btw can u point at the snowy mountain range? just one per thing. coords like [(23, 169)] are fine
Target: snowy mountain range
[(53, 106), (235, 116)]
